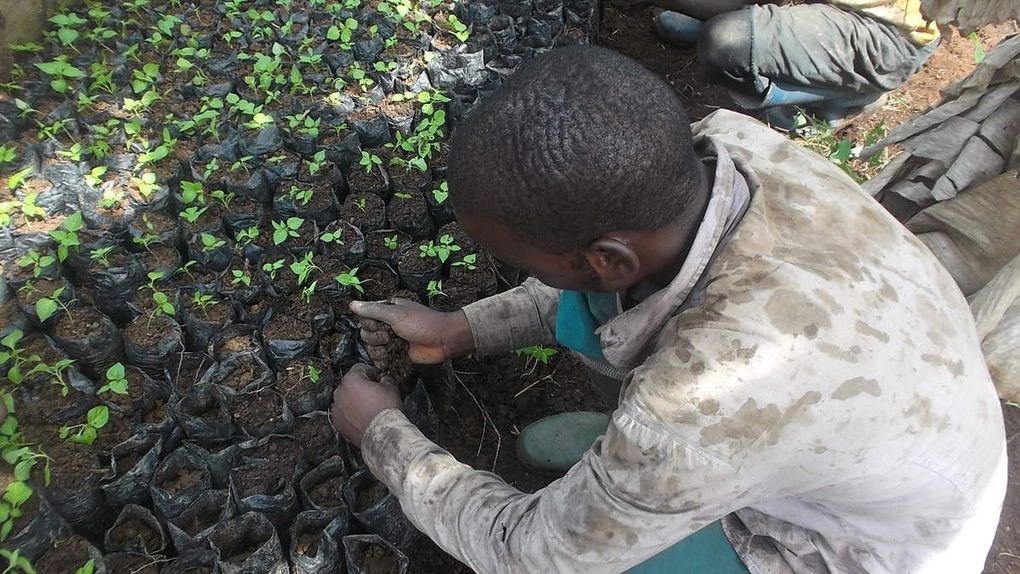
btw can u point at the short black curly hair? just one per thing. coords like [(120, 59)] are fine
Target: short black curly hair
[(579, 142)]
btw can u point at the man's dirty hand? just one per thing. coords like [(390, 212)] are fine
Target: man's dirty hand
[(433, 336), (361, 396)]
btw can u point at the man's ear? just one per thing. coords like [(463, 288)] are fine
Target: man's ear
[(616, 264)]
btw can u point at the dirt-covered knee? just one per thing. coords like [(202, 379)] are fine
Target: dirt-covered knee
[(724, 47)]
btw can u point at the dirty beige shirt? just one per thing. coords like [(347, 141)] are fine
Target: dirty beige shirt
[(823, 383)]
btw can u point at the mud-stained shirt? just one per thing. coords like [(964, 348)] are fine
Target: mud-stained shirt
[(812, 375)]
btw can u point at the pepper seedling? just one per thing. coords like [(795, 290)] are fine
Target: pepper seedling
[(369, 161), (14, 355), (116, 381), (56, 372), (87, 432), (303, 268), (391, 242), (203, 302), (36, 261), (272, 268), (67, 236), (468, 262), (102, 256), (45, 307), (308, 292), (210, 242), (441, 249), (282, 230), (240, 277), (350, 279)]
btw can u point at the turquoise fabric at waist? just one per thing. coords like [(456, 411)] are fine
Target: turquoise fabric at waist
[(579, 315)]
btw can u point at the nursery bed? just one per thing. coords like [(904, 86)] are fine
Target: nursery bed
[(190, 196)]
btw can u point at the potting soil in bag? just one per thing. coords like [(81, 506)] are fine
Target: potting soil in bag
[(135, 530), (371, 554), (376, 510), (190, 529), (248, 544), (315, 541), (180, 479), (133, 463)]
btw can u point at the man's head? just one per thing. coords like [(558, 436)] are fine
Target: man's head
[(574, 167)]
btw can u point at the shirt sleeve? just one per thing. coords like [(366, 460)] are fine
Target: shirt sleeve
[(635, 493), (514, 319)]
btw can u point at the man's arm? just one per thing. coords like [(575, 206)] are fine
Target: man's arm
[(633, 495), (518, 318)]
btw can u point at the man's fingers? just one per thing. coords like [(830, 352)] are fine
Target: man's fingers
[(385, 311), (365, 371), (375, 338)]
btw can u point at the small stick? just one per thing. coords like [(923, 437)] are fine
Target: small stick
[(486, 418), (545, 378)]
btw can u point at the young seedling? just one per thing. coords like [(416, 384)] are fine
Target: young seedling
[(13, 356), (468, 262), (332, 237), (45, 307), (300, 196), (192, 214), (203, 302), (102, 256), (272, 268), (240, 277), (282, 230), (457, 28), (161, 306), (211, 243), (146, 241), (246, 236), (192, 192), (312, 374), (369, 161), (87, 432), (434, 289), (391, 242), (224, 198), (67, 236), (318, 160), (350, 279), (537, 353), (60, 71), (442, 249), (36, 261), (361, 204), (303, 268), (186, 268), (15, 561), (116, 381), (56, 373), (153, 277), (308, 292)]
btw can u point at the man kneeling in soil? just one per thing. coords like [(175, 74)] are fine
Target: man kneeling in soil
[(802, 386)]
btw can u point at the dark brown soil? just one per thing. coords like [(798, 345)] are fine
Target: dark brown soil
[(81, 325), (126, 402), (455, 296), (200, 520), (256, 410), (127, 461), (245, 371), (273, 470), (407, 213), (187, 374), (116, 258), (410, 180), (315, 433), (326, 494), (411, 262), (378, 282), (322, 195), (155, 223), (218, 313), (375, 244), (42, 288), (154, 412), (370, 496), (286, 327), (392, 360), (293, 380), (131, 529), (147, 331), (185, 478), (467, 245), (369, 218), (75, 467), (364, 113), (378, 559), (65, 557), (159, 256), (243, 343)]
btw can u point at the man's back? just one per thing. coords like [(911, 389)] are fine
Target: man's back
[(833, 365)]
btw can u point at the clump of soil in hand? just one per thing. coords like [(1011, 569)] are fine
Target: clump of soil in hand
[(378, 559), (255, 410), (370, 496), (327, 494), (270, 469), (132, 529), (66, 556), (367, 211)]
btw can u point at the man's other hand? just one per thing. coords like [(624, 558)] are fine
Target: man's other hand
[(433, 336), (360, 397)]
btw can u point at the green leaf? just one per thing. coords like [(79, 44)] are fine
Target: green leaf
[(18, 492), (74, 222), (115, 372), (333, 33), (98, 416), (45, 308)]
